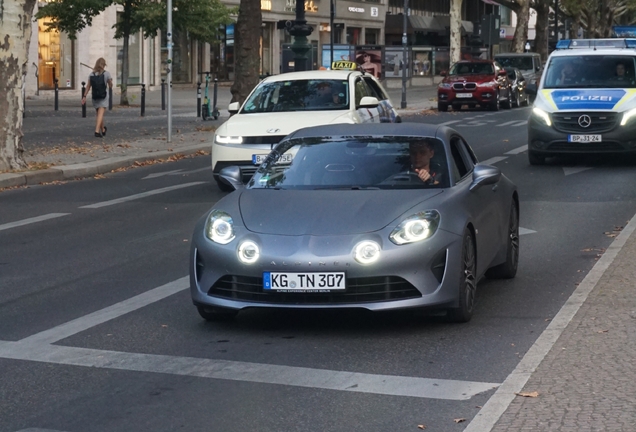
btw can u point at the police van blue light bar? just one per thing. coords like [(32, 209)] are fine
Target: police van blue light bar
[(595, 43)]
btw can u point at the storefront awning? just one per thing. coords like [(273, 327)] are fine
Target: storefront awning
[(426, 24), (466, 27)]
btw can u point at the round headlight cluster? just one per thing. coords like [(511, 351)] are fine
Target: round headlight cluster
[(416, 228), (366, 252), (219, 227), (248, 252)]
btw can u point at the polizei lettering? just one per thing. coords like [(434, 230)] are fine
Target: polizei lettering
[(587, 98)]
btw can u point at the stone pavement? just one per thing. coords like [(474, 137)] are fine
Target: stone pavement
[(578, 376)]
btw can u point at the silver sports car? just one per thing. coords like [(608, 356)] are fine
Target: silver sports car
[(380, 216)]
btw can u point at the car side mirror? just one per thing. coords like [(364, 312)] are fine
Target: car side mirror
[(531, 89), (502, 72), (484, 175), (368, 102), (233, 107), (232, 176)]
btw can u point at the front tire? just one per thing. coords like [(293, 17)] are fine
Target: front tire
[(535, 159), (467, 281), (215, 314), (508, 269), (496, 104), (442, 107)]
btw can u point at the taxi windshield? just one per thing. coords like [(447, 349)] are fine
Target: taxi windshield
[(353, 163), (591, 71), (298, 95)]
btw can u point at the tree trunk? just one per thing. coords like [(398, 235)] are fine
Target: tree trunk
[(455, 31), (16, 17), (521, 31), (247, 42), (542, 7)]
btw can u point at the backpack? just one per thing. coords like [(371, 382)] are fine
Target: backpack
[(98, 86)]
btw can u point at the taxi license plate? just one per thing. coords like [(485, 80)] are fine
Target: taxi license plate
[(258, 159), (464, 95), (585, 138), (304, 282)]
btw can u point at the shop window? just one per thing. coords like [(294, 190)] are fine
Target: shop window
[(371, 37), (55, 58), (353, 35)]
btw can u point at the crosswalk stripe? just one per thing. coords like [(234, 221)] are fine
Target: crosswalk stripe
[(140, 195), (517, 150), (493, 160), (32, 220), (507, 123), (520, 123), (449, 122)]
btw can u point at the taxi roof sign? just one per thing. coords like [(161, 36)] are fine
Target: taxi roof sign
[(595, 43), (344, 65)]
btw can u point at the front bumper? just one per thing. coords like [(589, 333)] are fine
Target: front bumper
[(546, 140), (224, 155), (479, 96), (416, 275)]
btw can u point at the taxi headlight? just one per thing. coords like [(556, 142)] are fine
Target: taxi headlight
[(220, 139), (542, 115), (248, 252), (219, 227), (628, 115), (366, 252), (416, 228)]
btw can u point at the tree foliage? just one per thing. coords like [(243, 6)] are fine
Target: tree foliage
[(200, 18), (598, 16)]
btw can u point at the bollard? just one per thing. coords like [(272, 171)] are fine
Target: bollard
[(215, 112), (143, 100), (110, 99), (198, 99), (163, 94), (57, 97), (82, 96)]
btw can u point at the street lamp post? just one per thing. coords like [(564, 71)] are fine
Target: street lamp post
[(332, 15), (300, 30), (404, 54)]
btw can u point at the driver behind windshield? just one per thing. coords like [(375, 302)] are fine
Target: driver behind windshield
[(420, 153)]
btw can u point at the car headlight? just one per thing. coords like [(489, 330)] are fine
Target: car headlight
[(248, 252), (487, 84), (366, 252), (628, 115), (220, 139), (219, 227), (416, 228), (543, 116), (444, 85)]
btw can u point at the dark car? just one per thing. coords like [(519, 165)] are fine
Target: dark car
[(528, 63), (352, 222), (518, 84), (474, 82)]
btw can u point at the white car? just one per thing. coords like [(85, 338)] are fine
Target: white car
[(282, 104)]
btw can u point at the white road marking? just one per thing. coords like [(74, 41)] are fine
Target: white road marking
[(249, 372), (101, 316), (517, 150), (141, 195), (488, 416), (520, 123), (32, 220), (574, 170), (449, 122), (493, 160), (507, 123), (524, 231), (175, 172), (39, 430)]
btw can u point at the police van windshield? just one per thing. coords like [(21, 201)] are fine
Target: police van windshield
[(591, 71)]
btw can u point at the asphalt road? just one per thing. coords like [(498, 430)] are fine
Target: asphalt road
[(151, 364)]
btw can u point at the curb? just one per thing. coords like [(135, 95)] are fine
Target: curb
[(86, 169)]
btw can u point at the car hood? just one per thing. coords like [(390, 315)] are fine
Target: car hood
[(279, 123), (469, 78), (326, 212)]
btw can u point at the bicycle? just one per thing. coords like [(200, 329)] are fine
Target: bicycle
[(206, 109)]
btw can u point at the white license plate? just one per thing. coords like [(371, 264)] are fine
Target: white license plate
[(304, 282), (464, 95), (258, 159), (585, 138)]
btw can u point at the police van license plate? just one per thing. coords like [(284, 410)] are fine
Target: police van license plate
[(258, 159), (585, 138), (464, 95), (304, 282)]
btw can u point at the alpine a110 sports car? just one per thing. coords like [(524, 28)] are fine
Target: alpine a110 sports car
[(374, 216)]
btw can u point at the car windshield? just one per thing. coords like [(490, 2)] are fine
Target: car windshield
[(472, 69), (591, 71), (298, 95), (522, 63), (353, 163)]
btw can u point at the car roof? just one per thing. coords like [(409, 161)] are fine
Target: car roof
[(598, 51), (366, 129), (476, 61), (528, 54), (319, 74)]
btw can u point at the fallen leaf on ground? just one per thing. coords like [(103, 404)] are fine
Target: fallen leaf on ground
[(421, 426), (602, 331), (459, 420), (533, 394)]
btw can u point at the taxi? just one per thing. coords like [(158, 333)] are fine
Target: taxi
[(586, 100), (282, 104)]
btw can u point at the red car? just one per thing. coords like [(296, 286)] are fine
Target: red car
[(474, 82)]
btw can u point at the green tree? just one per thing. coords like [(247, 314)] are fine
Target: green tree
[(598, 16), (200, 18), (522, 9)]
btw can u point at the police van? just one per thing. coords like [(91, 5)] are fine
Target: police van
[(586, 100)]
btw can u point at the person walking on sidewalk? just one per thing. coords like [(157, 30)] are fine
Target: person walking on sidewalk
[(97, 82)]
